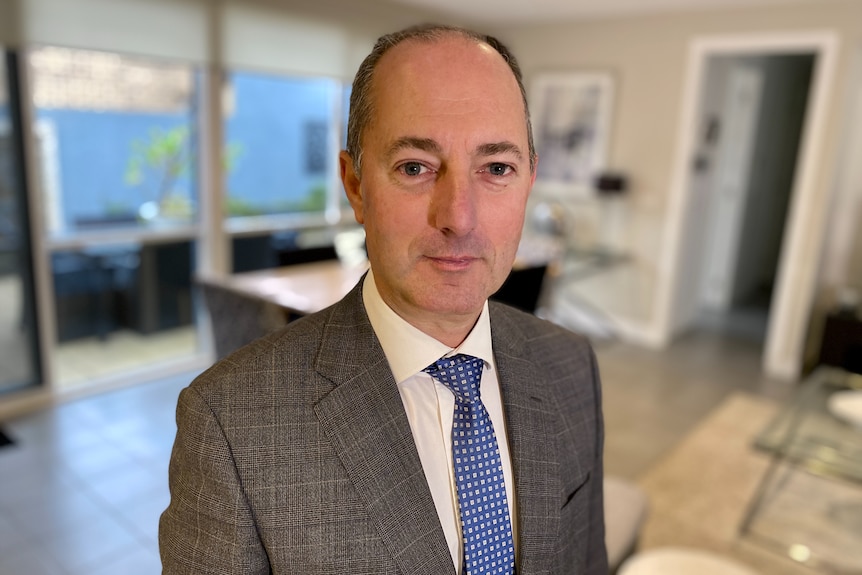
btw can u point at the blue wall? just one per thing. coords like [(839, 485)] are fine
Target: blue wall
[(268, 125), (93, 152)]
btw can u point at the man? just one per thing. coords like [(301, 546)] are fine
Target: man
[(338, 445)]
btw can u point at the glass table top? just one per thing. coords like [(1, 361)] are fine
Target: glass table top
[(808, 505), (808, 433)]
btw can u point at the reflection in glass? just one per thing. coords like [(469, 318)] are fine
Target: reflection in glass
[(18, 357)]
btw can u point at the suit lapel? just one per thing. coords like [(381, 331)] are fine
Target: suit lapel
[(365, 420), (531, 420)]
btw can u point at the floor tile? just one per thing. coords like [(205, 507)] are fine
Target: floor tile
[(125, 485), (11, 536), (55, 514), (137, 561), (89, 544), (91, 464), (29, 561)]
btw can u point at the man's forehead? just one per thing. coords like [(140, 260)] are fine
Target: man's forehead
[(449, 50), (447, 91), (450, 67)]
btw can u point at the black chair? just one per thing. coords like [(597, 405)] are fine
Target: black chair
[(92, 288), (253, 253), (295, 256), (237, 319), (523, 288)]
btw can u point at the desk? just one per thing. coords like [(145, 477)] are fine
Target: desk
[(809, 503), (299, 289), (246, 306)]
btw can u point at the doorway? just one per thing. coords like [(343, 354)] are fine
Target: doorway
[(751, 116), (731, 249)]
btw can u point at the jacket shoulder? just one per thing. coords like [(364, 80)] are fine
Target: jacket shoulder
[(517, 325), (288, 358)]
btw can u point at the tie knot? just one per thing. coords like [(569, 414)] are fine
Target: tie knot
[(460, 373)]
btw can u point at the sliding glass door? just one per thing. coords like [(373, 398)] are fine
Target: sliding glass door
[(114, 139)]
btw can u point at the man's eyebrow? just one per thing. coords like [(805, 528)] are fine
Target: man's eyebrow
[(495, 148), (412, 143), (431, 146)]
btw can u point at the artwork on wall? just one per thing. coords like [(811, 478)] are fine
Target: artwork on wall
[(571, 123)]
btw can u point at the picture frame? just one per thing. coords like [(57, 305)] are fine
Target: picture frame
[(571, 118)]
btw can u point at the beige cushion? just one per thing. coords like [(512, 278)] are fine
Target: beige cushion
[(680, 561), (625, 511)]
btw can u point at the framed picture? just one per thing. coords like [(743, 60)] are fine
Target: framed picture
[(571, 115)]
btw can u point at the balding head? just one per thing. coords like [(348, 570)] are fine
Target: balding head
[(362, 107)]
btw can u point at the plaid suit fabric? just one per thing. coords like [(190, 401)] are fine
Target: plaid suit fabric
[(294, 455)]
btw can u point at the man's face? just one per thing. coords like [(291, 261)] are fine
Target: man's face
[(445, 177)]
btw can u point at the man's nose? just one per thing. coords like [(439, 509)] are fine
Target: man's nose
[(453, 204)]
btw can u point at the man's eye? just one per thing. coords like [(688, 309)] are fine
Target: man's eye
[(498, 169), (412, 168)]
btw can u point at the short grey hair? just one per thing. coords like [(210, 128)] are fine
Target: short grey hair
[(361, 102)]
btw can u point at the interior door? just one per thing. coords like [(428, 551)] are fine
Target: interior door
[(733, 169)]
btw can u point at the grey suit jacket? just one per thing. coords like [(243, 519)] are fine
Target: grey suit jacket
[(295, 455)]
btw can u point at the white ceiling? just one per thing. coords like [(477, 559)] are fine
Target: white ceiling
[(522, 11)]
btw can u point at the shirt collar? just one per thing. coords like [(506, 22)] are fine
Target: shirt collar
[(410, 350)]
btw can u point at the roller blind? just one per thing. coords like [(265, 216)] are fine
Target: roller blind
[(261, 38), (268, 37), (161, 28), (8, 22)]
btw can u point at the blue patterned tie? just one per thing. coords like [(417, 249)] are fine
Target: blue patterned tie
[(485, 526)]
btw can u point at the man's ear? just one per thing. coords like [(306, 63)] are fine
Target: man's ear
[(352, 185)]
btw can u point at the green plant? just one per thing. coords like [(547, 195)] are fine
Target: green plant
[(315, 200), (159, 161), (235, 206)]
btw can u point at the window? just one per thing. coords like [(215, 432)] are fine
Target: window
[(113, 134), (115, 139), (281, 136)]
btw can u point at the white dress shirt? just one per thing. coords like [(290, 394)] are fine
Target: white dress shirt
[(430, 404)]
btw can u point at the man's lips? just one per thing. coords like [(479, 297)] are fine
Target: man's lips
[(454, 262), (453, 258)]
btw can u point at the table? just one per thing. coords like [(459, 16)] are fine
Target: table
[(809, 502), (298, 289)]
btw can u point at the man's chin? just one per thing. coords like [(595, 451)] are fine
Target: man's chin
[(453, 302)]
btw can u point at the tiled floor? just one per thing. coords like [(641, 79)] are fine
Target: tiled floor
[(85, 359), (84, 486), (82, 490)]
